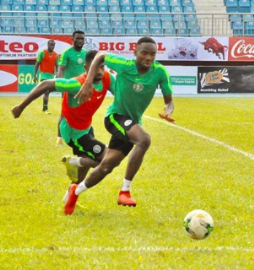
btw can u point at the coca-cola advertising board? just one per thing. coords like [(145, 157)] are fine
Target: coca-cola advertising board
[(224, 80), (241, 49)]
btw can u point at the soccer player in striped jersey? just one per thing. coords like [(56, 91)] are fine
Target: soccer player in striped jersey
[(136, 83), (76, 125)]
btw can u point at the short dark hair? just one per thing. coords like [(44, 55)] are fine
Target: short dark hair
[(78, 32), (51, 40), (90, 56), (146, 40)]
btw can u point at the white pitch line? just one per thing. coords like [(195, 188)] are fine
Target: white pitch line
[(225, 145), (150, 249)]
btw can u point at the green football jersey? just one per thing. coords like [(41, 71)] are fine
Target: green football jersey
[(73, 61), (134, 91)]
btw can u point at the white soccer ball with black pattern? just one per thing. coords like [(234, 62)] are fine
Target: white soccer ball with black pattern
[(198, 224)]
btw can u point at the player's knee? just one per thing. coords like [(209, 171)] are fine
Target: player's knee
[(145, 141)]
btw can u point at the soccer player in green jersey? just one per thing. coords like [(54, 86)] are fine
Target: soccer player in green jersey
[(136, 83), (71, 64), (47, 61)]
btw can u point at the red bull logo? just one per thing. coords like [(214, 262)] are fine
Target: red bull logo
[(214, 46)]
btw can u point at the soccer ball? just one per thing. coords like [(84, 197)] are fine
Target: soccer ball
[(198, 224)]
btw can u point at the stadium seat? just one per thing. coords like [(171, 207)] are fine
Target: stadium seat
[(106, 31), (91, 11), (57, 30), (104, 23), (248, 18), (113, 3), (31, 23), (187, 3), (143, 31), (126, 2), (118, 31), (114, 9), (79, 23), (142, 23), (192, 23), (189, 9), (232, 6), (180, 25), (174, 3), (79, 3), (17, 7), (41, 8), (7, 30), (44, 30), (42, 2), (42, 23), (169, 31), (92, 31), (66, 2), (102, 3), (32, 30), (30, 2), (190, 17), (131, 31), (66, 22), (18, 22), (167, 24), (155, 24), (68, 30), (92, 23), (195, 32), (20, 30), (87, 2), (157, 32), (53, 11), (182, 32), (103, 12), (117, 23), (54, 2), (244, 6), (163, 3), (151, 2), (6, 22), (5, 7), (138, 3), (18, 2), (55, 22), (129, 24)]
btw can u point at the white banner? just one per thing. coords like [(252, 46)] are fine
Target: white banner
[(169, 48)]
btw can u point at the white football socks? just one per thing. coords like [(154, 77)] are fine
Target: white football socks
[(81, 187), (126, 185), (75, 161)]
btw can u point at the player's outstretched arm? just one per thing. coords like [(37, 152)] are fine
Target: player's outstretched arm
[(168, 110), (86, 89), (43, 87)]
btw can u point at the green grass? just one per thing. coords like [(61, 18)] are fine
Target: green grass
[(181, 172)]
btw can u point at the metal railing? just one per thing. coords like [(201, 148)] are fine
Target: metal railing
[(127, 24)]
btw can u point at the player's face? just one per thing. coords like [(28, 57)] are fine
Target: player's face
[(51, 46), (145, 55), (100, 73), (78, 41)]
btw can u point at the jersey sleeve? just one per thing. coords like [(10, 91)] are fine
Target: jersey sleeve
[(71, 86), (112, 83), (63, 58), (117, 63), (40, 56), (165, 83)]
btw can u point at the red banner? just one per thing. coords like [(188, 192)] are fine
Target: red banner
[(9, 73), (241, 49)]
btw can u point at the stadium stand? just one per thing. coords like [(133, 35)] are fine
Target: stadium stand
[(100, 17), (128, 17)]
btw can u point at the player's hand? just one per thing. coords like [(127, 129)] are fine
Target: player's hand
[(84, 93), (167, 117), (16, 111)]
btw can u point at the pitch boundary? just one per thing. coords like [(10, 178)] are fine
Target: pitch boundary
[(108, 249), (194, 133)]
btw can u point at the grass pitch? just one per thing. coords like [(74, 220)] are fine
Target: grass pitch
[(204, 162)]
